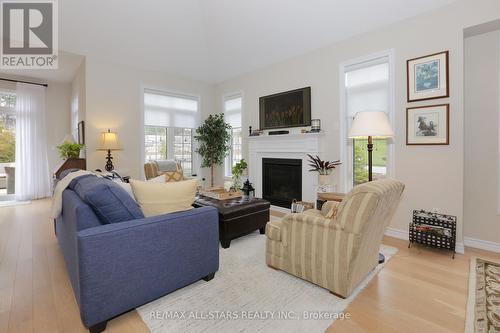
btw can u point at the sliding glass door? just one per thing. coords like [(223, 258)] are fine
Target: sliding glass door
[(7, 143)]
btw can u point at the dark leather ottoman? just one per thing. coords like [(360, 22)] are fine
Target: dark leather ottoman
[(237, 217)]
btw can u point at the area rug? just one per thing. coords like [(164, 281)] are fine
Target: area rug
[(248, 296), (483, 306)]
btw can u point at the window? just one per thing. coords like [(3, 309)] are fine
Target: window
[(232, 114), (7, 127), (7, 136), (169, 120), (367, 87), (155, 143), (74, 118), (183, 148)]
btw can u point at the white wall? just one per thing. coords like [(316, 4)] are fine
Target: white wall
[(433, 174), (58, 119), (482, 89), (114, 100)]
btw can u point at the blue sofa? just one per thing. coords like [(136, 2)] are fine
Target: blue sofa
[(118, 260)]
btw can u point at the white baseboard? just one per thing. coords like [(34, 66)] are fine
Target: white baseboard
[(396, 233), (459, 247), (403, 234), (482, 244)]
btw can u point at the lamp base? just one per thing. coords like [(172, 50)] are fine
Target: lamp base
[(109, 162), (370, 149)]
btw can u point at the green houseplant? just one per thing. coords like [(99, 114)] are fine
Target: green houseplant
[(214, 142), (323, 168), (237, 171), (69, 149)]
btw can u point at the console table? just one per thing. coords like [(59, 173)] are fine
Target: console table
[(70, 163)]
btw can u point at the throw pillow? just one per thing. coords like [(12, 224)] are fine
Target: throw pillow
[(329, 209), (159, 179), (126, 187), (162, 198), (173, 176), (110, 201)]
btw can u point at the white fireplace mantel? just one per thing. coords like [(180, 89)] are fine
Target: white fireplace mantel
[(285, 146)]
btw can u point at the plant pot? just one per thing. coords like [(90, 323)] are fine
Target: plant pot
[(324, 179)]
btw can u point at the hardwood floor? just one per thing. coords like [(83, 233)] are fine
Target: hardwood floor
[(419, 290)]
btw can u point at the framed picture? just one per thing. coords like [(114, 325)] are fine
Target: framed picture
[(427, 77), (81, 132), (428, 125)]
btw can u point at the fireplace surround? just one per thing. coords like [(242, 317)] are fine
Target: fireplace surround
[(288, 146)]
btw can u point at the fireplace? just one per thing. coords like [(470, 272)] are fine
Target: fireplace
[(281, 180)]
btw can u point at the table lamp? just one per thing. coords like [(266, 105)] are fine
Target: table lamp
[(370, 124), (109, 141)]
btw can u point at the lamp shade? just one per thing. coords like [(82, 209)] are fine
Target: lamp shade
[(371, 123), (108, 141)]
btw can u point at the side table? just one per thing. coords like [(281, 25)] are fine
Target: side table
[(322, 197)]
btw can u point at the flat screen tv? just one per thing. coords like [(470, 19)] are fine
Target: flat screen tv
[(287, 109)]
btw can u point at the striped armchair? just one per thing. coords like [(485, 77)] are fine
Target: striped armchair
[(154, 169), (338, 246)]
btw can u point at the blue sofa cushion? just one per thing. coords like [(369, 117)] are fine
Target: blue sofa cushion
[(110, 202)]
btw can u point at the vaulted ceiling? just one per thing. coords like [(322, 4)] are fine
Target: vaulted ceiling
[(213, 40)]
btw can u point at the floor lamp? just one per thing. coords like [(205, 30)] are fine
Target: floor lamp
[(370, 124)]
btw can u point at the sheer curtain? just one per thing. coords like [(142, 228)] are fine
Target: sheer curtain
[(32, 167)]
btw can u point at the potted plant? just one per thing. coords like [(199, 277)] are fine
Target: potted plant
[(323, 168), (69, 150), (214, 139), (237, 171)]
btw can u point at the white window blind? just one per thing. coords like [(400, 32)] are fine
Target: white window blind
[(232, 111), (170, 110), (367, 88)]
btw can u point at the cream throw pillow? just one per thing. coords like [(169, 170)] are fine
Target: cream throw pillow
[(161, 198), (329, 209)]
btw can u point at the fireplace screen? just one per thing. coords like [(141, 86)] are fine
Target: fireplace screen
[(281, 180)]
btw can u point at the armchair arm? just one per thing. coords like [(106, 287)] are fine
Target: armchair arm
[(124, 265)]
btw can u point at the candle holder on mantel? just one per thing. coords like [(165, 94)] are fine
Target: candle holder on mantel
[(315, 125)]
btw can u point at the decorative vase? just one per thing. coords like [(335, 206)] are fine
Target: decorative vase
[(323, 179)]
